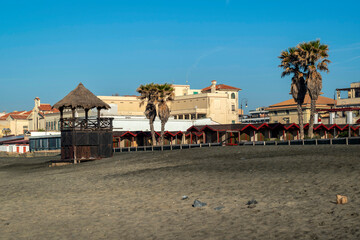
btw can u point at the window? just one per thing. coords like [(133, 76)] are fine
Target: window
[(275, 113), (233, 108), (233, 96), (287, 111)]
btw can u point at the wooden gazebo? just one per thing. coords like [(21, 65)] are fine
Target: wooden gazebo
[(84, 138)]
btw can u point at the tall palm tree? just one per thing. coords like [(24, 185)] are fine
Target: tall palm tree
[(313, 58), (165, 94), (149, 94), (291, 65)]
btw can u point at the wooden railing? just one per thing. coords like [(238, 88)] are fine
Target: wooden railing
[(86, 124)]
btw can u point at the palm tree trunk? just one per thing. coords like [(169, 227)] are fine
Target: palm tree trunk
[(301, 120), (152, 132), (312, 115), (162, 132)]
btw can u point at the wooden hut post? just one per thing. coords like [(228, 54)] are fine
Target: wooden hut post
[(73, 117), (98, 117), (86, 117), (61, 118), (73, 120), (218, 137)]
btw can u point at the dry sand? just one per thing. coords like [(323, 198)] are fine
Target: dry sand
[(138, 195)]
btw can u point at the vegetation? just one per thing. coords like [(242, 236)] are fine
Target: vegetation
[(305, 61), (313, 58), (291, 65), (148, 93), (156, 94), (165, 94)]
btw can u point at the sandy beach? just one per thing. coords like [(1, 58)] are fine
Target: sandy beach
[(139, 195)]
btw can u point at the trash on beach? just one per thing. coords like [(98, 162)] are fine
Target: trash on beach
[(340, 199), (252, 203), (198, 203), (184, 197), (59, 164), (219, 208)]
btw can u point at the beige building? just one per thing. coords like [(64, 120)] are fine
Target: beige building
[(352, 98), (22, 122), (286, 112), (123, 105), (14, 123), (218, 102)]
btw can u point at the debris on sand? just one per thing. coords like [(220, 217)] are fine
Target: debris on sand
[(340, 199), (184, 197), (198, 203), (252, 203), (219, 208), (59, 164)]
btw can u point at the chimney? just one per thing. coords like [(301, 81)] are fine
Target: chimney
[(37, 102), (213, 86)]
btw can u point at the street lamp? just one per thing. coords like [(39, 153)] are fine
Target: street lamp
[(241, 105)]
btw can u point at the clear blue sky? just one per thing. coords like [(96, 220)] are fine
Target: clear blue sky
[(48, 47)]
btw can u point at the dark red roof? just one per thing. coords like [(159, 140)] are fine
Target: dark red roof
[(45, 107), (16, 115), (221, 87)]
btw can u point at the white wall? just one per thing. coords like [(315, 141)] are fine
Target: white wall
[(124, 123)]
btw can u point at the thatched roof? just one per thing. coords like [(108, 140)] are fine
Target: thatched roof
[(81, 97)]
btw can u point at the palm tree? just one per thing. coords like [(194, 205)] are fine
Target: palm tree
[(149, 94), (313, 58), (290, 64), (165, 94)]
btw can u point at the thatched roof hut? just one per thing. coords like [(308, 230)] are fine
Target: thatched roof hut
[(81, 97)]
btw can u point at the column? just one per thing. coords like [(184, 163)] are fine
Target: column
[(332, 118)]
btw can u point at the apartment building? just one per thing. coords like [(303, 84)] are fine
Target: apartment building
[(219, 102), (286, 112)]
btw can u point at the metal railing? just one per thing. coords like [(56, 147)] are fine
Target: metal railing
[(165, 147), (329, 141)]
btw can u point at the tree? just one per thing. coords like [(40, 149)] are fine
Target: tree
[(313, 58), (165, 94), (291, 65), (149, 94)]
